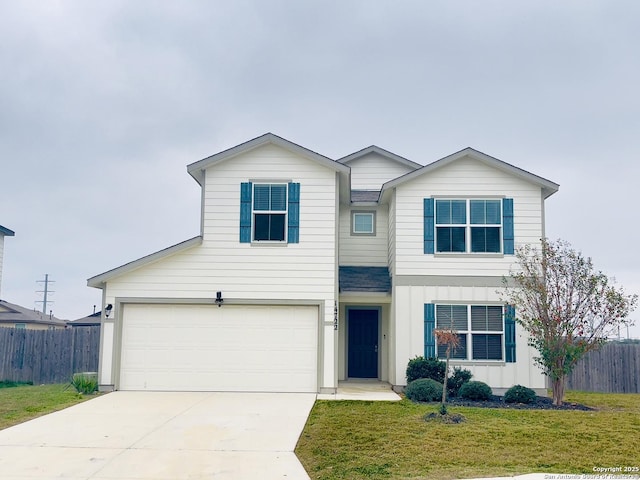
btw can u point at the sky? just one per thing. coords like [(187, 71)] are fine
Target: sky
[(104, 104)]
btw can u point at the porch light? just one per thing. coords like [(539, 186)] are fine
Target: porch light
[(107, 310), (219, 299)]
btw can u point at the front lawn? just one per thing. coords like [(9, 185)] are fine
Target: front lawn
[(21, 403), (385, 440)]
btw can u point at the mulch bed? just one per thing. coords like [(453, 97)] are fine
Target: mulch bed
[(541, 403)]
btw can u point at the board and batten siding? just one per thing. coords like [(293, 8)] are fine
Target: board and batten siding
[(371, 171), (364, 250), (462, 179), (303, 271), (408, 337)]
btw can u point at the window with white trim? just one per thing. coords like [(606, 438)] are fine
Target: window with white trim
[(363, 223), (480, 329), (467, 225), (269, 212)]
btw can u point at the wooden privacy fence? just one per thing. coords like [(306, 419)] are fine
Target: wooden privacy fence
[(615, 368), (48, 356)]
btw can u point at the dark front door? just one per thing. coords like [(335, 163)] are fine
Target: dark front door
[(362, 349)]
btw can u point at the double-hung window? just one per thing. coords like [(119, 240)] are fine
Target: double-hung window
[(480, 329), (269, 212), (467, 225)]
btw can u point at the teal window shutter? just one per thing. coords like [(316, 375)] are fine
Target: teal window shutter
[(293, 227), (510, 333), (507, 226), (245, 212), (429, 325), (429, 226)]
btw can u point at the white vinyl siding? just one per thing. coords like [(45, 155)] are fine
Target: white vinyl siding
[(364, 250), (271, 271), (371, 171), (409, 336), (462, 179)]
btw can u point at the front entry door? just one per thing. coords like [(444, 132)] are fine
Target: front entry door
[(362, 354)]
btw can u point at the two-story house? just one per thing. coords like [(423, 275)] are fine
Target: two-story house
[(309, 271)]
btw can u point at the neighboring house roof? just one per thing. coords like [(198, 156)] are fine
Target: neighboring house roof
[(364, 279), (548, 187), (382, 152), (6, 232), (12, 313), (99, 280), (88, 321)]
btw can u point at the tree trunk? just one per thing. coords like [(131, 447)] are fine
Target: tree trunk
[(557, 386), (446, 376)]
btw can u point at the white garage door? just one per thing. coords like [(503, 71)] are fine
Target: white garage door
[(228, 348)]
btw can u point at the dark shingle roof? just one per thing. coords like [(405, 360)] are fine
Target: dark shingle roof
[(365, 279), (7, 232), (365, 195)]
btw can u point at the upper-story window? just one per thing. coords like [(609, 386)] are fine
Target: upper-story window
[(363, 223), (468, 226), (269, 212)]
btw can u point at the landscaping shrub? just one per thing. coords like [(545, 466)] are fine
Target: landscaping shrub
[(424, 390), (454, 383), (519, 394), (85, 382), (475, 391), (421, 367), (11, 383)]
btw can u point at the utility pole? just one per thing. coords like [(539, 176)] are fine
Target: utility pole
[(46, 291)]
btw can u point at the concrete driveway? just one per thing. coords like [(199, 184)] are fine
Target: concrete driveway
[(154, 435)]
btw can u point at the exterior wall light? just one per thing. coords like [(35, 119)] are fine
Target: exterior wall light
[(219, 299), (107, 310)]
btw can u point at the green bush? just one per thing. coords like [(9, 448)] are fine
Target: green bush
[(519, 394), (454, 383), (475, 391), (11, 383), (421, 367), (85, 382), (424, 390)]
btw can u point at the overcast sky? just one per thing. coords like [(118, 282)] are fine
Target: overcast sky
[(103, 104)]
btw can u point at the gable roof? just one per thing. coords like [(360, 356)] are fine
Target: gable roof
[(196, 169), (99, 280), (5, 231), (12, 313), (383, 153), (548, 187)]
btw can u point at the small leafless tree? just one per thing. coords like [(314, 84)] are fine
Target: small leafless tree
[(450, 338)]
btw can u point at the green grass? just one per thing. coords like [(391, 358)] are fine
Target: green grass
[(22, 403), (385, 440)]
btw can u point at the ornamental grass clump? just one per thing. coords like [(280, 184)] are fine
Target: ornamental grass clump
[(85, 383)]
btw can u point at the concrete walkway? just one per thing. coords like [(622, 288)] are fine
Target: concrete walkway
[(370, 390), (168, 436)]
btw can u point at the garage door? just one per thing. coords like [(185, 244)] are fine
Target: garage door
[(228, 348)]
